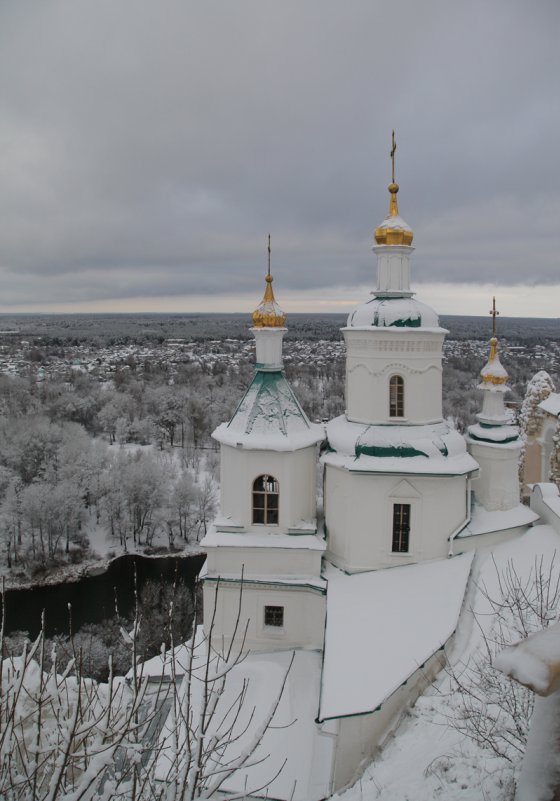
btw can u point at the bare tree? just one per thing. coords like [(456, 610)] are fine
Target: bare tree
[(488, 707), (175, 736)]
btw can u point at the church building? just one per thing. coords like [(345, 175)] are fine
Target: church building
[(403, 489)]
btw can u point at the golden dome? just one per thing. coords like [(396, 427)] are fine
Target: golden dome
[(493, 371), (393, 230), (268, 313)]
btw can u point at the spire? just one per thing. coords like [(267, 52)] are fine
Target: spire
[(493, 372), (268, 313), (393, 230)]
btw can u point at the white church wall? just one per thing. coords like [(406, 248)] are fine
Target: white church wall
[(360, 736), (303, 613), (359, 516), (295, 472), (256, 561), (497, 486), (374, 356)]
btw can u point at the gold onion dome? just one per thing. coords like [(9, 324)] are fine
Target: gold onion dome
[(493, 371), (393, 230), (268, 313)]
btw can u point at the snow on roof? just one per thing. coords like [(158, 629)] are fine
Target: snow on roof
[(382, 626), (498, 434), (482, 521), (269, 417), (397, 312), (458, 466), (494, 369), (436, 449), (395, 221), (293, 737), (266, 539), (551, 405), (550, 498)]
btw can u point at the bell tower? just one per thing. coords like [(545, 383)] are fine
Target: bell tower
[(396, 474), (263, 549)]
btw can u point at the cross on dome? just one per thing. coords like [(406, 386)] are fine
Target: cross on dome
[(494, 314), (268, 313), (393, 230), (493, 372)]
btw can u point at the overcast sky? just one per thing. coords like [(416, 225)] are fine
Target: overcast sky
[(147, 148)]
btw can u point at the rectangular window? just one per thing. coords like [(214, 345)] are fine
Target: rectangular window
[(401, 527), (396, 396), (274, 616)]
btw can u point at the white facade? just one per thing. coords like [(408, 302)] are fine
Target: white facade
[(295, 472), (263, 584), (497, 486), (438, 507), (375, 355)]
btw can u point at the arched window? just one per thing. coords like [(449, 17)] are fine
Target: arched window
[(396, 396), (265, 500)]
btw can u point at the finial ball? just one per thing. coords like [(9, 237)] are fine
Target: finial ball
[(393, 188), (268, 278)]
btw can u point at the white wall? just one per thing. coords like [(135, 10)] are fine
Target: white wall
[(304, 615), (497, 485), (374, 356), (358, 516), (295, 471), (360, 736), (224, 561)]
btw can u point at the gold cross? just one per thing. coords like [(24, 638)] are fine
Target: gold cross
[(393, 151), (269, 254), (494, 314)]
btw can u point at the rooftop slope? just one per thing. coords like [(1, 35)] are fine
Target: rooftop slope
[(269, 417), (381, 626)]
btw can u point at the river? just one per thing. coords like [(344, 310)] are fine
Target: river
[(92, 598)]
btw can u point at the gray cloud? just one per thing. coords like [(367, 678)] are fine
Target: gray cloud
[(146, 149)]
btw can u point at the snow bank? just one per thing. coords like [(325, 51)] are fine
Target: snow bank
[(535, 662)]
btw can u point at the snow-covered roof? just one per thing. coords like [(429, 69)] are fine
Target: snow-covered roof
[(382, 626), (483, 522), (436, 449), (293, 738), (499, 434), (400, 312), (551, 405), (269, 417), (395, 221)]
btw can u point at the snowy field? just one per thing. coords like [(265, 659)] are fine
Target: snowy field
[(426, 758)]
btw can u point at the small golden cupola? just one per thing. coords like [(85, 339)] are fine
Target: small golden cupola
[(268, 313), (393, 230), (493, 371)]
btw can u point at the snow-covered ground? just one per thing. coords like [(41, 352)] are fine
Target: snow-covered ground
[(426, 758)]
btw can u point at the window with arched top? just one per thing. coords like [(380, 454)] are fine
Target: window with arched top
[(266, 493), (396, 396)]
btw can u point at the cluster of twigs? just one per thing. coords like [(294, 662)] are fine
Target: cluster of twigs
[(487, 706), (168, 737)]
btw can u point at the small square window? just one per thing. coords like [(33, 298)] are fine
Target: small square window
[(274, 616)]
